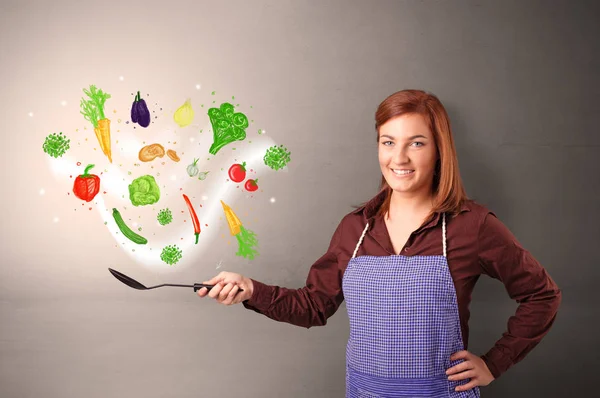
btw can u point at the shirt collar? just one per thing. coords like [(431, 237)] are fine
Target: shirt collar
[(370, 208)]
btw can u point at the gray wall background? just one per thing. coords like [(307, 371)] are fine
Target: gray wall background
[(519, 79)]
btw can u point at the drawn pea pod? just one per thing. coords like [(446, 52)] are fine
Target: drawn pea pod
[(126, 231)]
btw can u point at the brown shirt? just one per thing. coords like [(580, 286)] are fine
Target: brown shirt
[(477, 243)]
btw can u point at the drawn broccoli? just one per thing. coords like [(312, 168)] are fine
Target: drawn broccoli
[(164, 217), (144, 191), (277, 157), (56, 145), (228, 126), (171, 254)]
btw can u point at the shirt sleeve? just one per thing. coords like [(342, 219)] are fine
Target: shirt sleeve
[(527, 282), (310, 305)]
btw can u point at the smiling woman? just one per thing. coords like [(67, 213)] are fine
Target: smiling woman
[(415, 129), (422, 244), (407, 160)]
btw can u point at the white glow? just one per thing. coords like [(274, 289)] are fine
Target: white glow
[(115, 180), (198, 87), (191, 139), (121, 78), (30, 114), (272, 200), (55, 219), (63, 103), (42, 191)]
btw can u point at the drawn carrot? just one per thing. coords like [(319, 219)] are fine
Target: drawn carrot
[(194, 217), (93, 111), (247, 241)]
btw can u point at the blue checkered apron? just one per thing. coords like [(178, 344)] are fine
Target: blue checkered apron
[(404, 325)]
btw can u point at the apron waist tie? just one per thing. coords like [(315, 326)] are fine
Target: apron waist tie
[(364, 384)]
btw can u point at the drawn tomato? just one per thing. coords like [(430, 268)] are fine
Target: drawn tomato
[(251, 185), (237, 172)]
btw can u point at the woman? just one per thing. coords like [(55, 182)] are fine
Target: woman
[(406, 263)]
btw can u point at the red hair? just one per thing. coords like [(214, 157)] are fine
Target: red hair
[(447, 188)]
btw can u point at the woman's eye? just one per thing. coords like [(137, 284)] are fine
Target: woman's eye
[(417, 144), (387, 143)]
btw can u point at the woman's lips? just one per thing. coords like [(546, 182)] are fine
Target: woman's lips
[(402, 172)]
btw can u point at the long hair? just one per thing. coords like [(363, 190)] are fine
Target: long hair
[(447, 188)]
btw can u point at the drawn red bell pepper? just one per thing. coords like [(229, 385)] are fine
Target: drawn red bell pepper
[(86, 185)]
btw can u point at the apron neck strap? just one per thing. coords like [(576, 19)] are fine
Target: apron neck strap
[(443, 236), (444, 232), (360, 240)]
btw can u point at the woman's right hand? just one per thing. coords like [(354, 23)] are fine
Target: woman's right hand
[(227, 287)]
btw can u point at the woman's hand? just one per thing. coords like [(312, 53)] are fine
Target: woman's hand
[(227, 288), (473, 367)]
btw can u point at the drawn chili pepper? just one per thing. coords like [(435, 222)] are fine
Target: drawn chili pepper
[(194, 217)]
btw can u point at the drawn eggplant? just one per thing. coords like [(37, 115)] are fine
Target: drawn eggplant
[(139, 111)]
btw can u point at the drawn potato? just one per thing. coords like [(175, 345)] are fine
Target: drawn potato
[(173, 155), (151, 152)]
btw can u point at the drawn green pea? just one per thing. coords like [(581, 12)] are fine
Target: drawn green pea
[(127, 232)]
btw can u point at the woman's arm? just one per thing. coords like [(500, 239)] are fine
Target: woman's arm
[(526, 281), (310, 305)]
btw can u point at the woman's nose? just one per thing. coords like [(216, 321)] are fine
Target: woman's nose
[(400, 156)]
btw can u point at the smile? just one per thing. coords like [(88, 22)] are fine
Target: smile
[(403, 172)]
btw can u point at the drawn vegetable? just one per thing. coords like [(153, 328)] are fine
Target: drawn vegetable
[(194, 217), (93, 111), (151, 152), (237, 172), (246, 239), (228, 126), (126, 231), (192, 169), (277, 157), (251, 185), (144, 191), (56, 145), (139, 111), (173, 155), (184, 114), (171, 254), (164, 217), (86, 185), (202, 175)]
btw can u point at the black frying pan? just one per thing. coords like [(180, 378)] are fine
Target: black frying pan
[(136, 285)]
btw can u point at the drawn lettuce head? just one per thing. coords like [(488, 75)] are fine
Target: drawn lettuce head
[(144, 191)]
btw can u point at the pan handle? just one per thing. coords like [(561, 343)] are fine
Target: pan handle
[(198, 286)]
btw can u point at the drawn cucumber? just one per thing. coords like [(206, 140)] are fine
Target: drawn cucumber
[(129, 234)]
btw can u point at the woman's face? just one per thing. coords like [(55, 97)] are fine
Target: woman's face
[(407, 154)]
